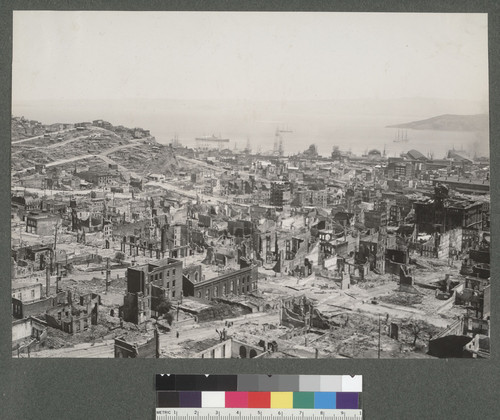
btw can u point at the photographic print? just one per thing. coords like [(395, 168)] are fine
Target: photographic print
[(250, 185)]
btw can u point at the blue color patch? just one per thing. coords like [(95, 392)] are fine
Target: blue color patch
[(325, 400)]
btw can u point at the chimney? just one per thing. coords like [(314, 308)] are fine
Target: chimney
[(157, 342), (47, 281)]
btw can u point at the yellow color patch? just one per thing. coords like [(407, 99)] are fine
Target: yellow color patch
[(281, 399)]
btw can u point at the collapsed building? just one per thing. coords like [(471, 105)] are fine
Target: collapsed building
[(75, 317), (140, 348), (299, 312)]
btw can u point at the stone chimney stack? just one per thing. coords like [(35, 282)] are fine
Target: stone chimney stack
[(47, 281)]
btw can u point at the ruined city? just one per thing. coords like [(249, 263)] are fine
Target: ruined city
[(123, 246)]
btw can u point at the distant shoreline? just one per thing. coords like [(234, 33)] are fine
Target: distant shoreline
[(449, 122)]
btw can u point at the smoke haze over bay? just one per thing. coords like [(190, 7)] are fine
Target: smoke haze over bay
[(332, 78)]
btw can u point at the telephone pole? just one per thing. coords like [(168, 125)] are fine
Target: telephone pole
[(55, 235), (53, 253), (107, 273), (379, 332)]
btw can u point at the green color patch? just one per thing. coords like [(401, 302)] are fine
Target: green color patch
[(303, 400)]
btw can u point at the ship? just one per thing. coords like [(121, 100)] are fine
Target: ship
[(175, 141), (401, 137), (211, 142)]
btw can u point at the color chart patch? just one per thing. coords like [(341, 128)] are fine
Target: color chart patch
[(252, 383), (325, 392), (264, 399)]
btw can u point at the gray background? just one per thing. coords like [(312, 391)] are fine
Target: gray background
[(124, 389)]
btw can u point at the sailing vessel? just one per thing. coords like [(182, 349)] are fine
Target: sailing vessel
[(175, 141), (401, 137)]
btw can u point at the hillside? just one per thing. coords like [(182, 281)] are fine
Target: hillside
[(94, 144), (449, 122)]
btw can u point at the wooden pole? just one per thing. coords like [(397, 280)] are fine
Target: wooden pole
[(379, 332), (107, 273)]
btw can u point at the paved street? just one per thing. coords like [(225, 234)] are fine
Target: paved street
[(86, 350)]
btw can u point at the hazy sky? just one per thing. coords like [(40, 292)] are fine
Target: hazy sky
[(248, 56)]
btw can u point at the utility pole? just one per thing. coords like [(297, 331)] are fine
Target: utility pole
[(53, 254), (20, 235), (379, 332), (55, 235), (107, 273)]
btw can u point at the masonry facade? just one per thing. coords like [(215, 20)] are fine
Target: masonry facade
[(237, 282)]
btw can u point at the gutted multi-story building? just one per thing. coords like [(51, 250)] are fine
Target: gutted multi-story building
[(166, 273), (280, 194), (235, 282), (41, 224)]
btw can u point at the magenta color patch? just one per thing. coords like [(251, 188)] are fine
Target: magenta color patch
[(236, 399)]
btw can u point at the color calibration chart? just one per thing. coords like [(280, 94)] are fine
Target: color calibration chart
[(258, 397)]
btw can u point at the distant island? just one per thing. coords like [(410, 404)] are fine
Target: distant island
[(449, 122)]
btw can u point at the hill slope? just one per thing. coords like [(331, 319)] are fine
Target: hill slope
[(93, 144), (449, 122)]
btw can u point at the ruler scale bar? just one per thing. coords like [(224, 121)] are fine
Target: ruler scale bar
[(256, 414)]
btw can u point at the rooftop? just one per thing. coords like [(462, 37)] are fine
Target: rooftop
[(471, 181), (43, 216), (21, 284), (151, 266)]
